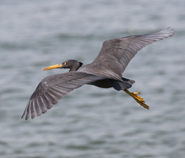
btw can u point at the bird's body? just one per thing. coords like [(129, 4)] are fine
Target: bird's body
[(104, 72)]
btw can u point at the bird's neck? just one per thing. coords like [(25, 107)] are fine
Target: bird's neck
[(76, 66)]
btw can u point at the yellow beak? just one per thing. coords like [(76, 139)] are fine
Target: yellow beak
[(53, 67)]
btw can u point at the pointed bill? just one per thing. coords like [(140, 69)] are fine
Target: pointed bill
[(53, 67)]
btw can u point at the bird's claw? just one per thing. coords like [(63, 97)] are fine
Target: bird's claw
[(138, 99)]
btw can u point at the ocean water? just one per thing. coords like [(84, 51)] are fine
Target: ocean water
[(91, 122)]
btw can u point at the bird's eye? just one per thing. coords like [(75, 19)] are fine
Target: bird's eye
[(65, 63)]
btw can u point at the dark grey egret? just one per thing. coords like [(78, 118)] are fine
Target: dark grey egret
[(104, 72)]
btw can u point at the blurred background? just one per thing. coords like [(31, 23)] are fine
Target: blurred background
[(92, 122)]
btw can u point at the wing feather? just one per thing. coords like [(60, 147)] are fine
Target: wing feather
[(42, 105), (33, 113), (46, 102), (51, 89), (37, 107), (120, 51)]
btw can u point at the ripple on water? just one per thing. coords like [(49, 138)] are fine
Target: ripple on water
[(92, 122)]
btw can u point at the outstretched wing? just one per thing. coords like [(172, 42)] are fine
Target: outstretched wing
[(52, 88), (116, 54)]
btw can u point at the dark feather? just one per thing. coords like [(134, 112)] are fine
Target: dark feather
[(105, 72), (53, 88), (115, 54)]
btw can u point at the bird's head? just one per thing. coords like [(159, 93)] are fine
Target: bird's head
[(71, 64)]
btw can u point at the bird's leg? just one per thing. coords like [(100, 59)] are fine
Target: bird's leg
[(137, 98)]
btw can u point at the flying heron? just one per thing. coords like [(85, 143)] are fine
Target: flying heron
[(104, 72)]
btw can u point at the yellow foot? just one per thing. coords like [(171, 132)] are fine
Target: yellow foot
[(138, 99)]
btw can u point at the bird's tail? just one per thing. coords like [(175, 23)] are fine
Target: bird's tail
[(125, 84)]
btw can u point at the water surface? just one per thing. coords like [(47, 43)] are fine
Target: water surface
[(92, 122)]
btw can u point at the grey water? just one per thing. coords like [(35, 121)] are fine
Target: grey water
[(91, 122)]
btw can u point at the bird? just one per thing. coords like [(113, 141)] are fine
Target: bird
[(104, 72)]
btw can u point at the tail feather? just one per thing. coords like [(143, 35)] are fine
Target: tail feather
[(125, 84)]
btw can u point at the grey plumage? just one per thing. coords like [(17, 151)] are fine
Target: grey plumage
[(115, 54), (105, 72), (53, 88)]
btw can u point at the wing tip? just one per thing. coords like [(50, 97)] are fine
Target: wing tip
[(22, 116), (26, 114), (168, 31)]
